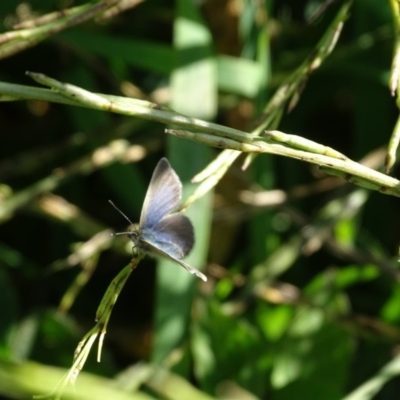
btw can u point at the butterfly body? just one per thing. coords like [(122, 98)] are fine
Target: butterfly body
[(162, 232)]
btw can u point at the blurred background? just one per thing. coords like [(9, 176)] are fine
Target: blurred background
[(302, 298)]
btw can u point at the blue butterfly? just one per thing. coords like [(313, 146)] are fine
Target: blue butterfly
[(162, 233)]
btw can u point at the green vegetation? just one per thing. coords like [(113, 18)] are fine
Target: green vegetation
[(281, 120)]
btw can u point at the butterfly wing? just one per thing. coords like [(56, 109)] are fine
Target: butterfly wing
[(188, 268), (155, 249), (163, 195), (173, 234)]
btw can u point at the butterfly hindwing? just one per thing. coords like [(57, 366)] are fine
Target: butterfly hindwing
[(163, 195), (154, 249), (174, 234)]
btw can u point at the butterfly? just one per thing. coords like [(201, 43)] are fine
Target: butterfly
[(162, 232)]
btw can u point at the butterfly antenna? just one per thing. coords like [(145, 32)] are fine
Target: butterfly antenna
[(120, 212)]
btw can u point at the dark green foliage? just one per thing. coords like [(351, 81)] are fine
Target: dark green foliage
[(302, 299)]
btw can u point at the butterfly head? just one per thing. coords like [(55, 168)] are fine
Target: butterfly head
[(133, 233)]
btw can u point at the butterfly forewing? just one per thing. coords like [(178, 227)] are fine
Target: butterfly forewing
[(163, 195)]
